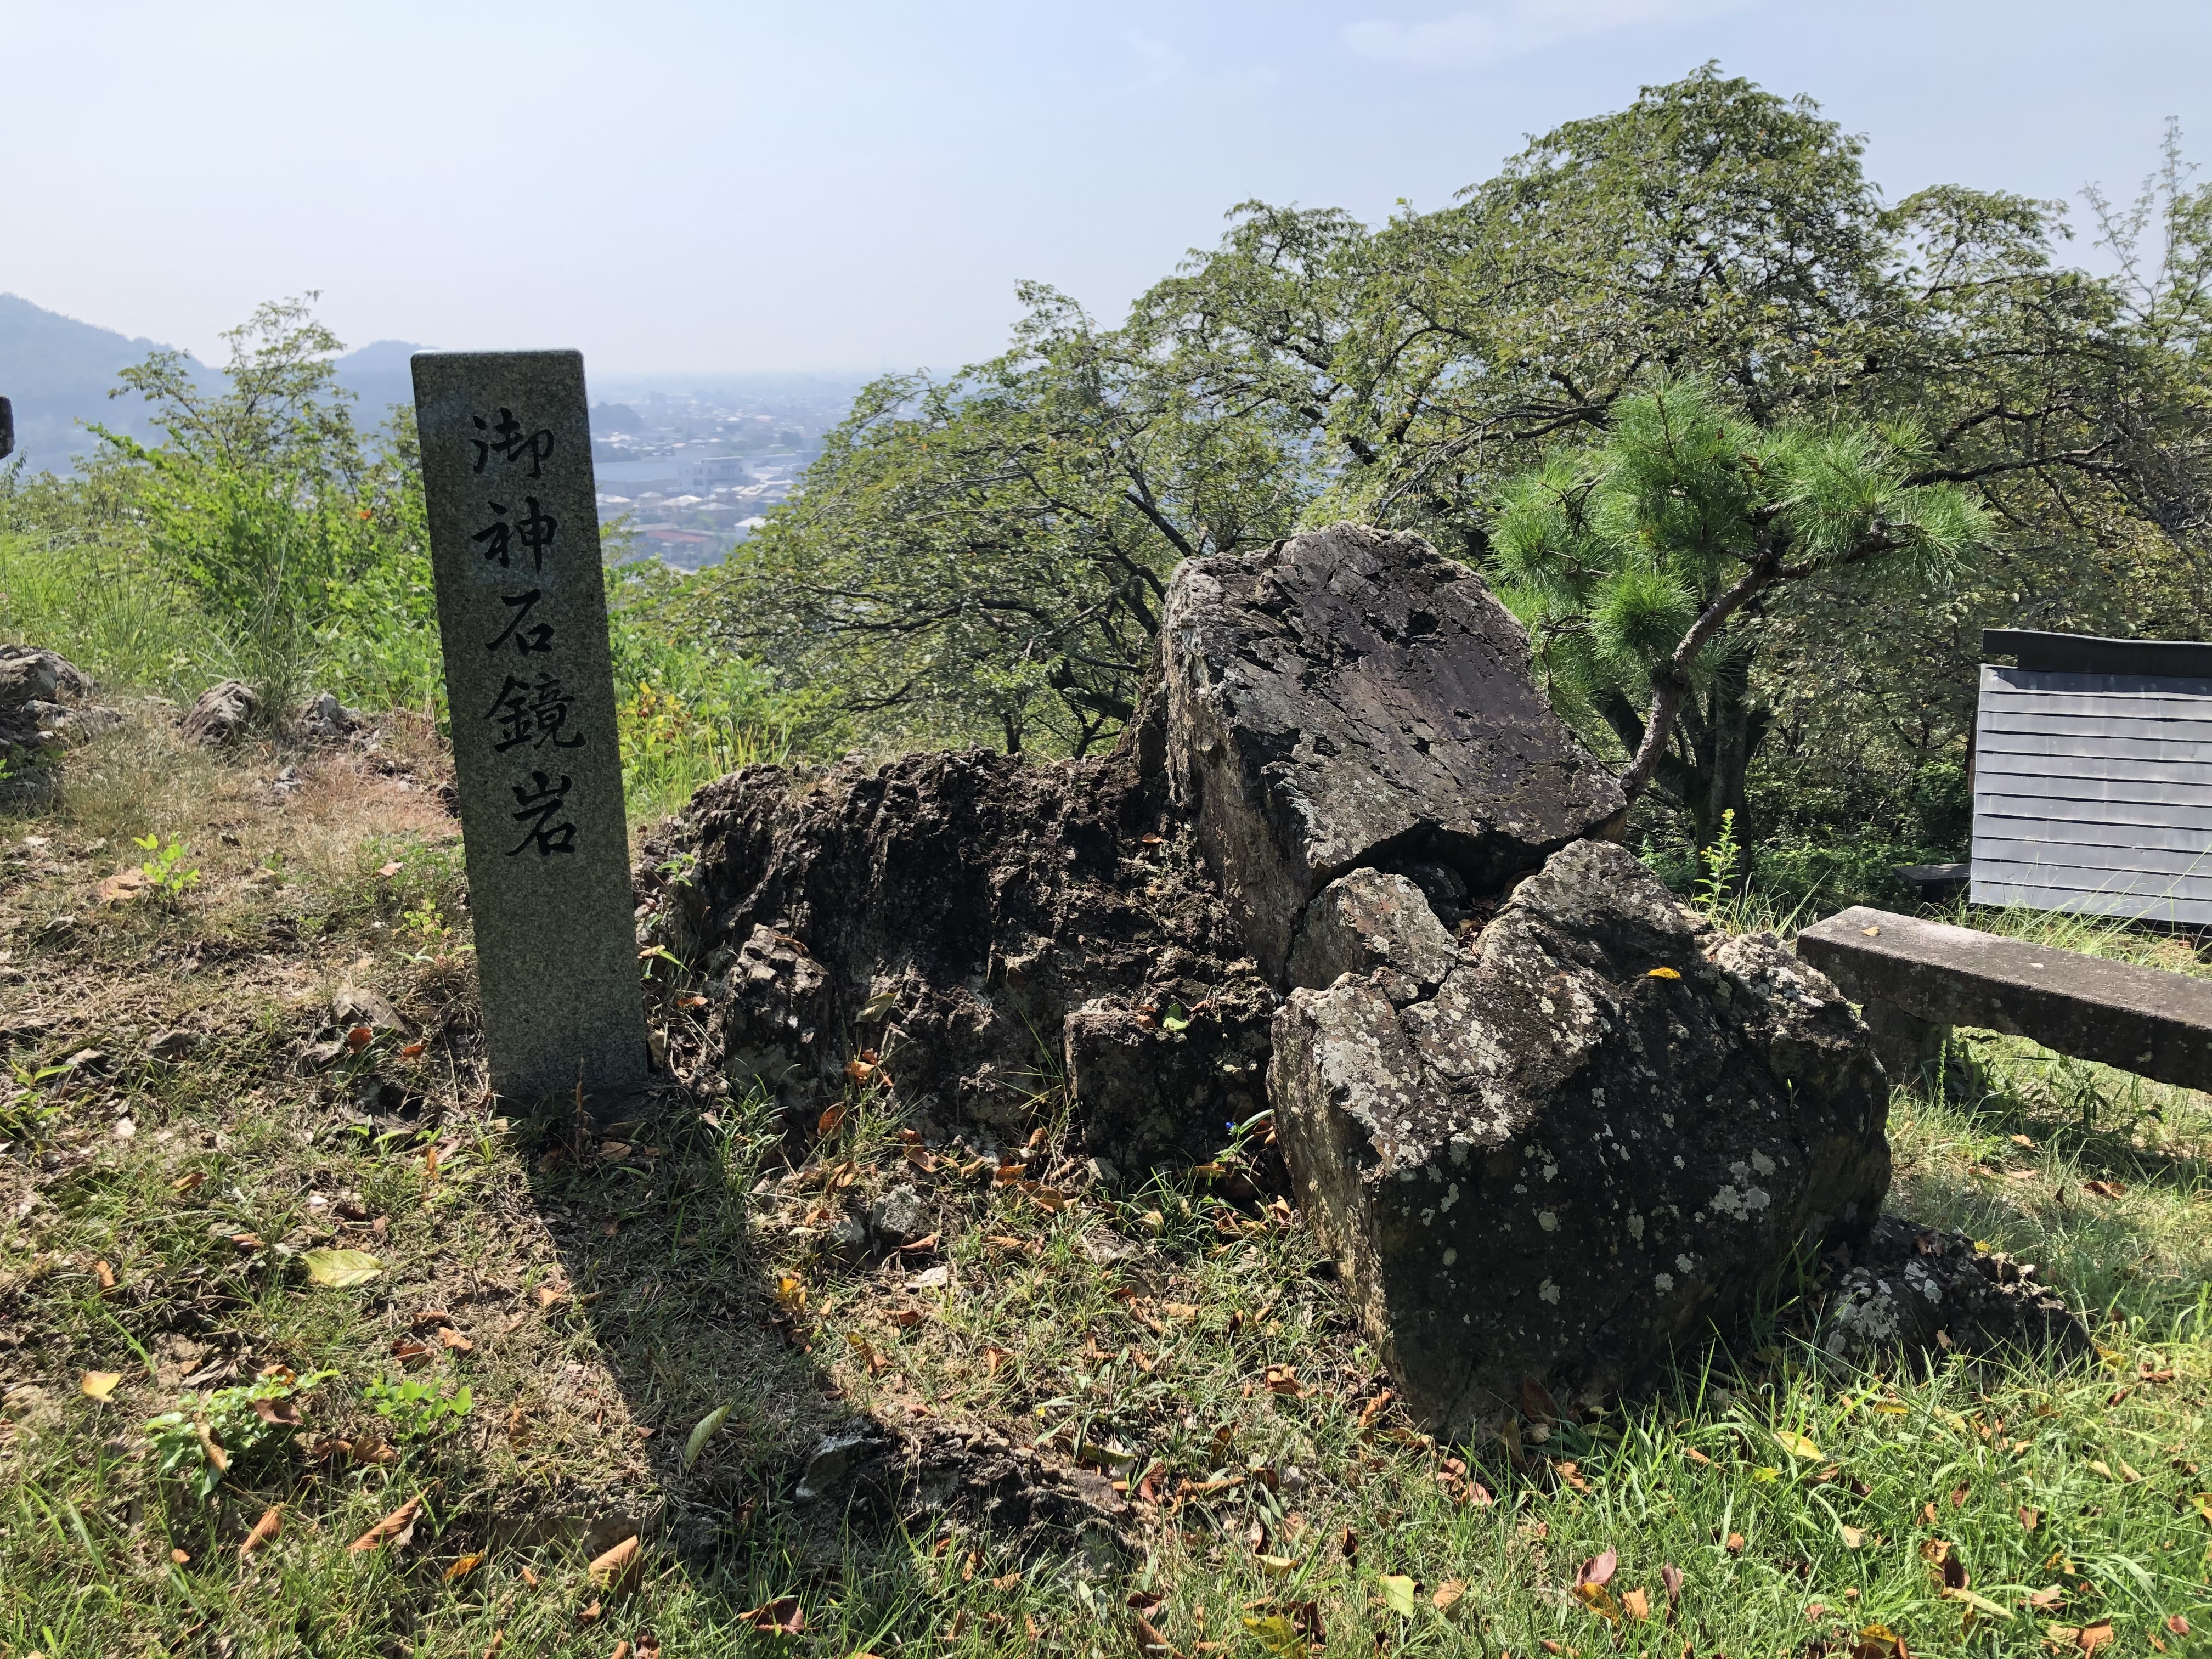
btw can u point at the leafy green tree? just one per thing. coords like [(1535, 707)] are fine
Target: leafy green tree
[(1634, 555), (986, 556), (260, 499)]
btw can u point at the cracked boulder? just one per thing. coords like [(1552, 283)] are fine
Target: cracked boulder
[(1351, 699), (1596, 1131)]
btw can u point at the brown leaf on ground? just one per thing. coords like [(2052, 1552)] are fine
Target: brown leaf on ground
[(2105, 1189), (1448, 1593), (212, 1447), (618, 1571), (1150, 1641), (465, 1565), (1637, 1602), (394, 1528), (2177, 1625), (185, 1184), (1375, 1408), (2029, 1518), (282, 1413), (123, 886), (453, 1340), (1599, 1569), (359, 1038), (994, 1357), (2044, 1600), (1958, 1494), (782, 1617), (270, 1523), (105, 1275), (2095, 1636)]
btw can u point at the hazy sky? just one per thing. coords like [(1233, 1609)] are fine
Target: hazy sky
[(855, 184)]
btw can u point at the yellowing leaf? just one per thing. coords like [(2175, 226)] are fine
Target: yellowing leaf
[(1663, 973), (100, 1385), (341, 1270), (1979, 1603), (464, 1566), (1853, 1537), (1795, 1444), (702, 1432), (1276, 1565), (1397, 1593), (790, 1294), (1278, 1635)]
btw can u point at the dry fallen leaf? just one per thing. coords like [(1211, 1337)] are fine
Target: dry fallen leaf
[(270, 1523), (2105, 1189), (617, 1572), (1448, 1594), (1637, 1602), (1853, 1537), (782, 1617), (123, 886), (2029, 1518), (464, 1566), (99, 1385), (2095, 1636), (395, 1525)]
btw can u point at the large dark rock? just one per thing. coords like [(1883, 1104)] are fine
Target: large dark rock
[(995, 929), (1350, 698), (1602, 1131)]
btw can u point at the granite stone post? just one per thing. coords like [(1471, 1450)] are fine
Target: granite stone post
[(515, 544)]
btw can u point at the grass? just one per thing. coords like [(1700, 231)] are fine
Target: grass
[(610, 1292)]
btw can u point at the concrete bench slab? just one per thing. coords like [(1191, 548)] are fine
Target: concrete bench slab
[(1916, 979)]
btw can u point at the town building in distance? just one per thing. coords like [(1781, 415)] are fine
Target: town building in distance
[(687, 476)]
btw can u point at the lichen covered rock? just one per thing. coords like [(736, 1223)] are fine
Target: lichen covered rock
[(1605, 1131), (1920, 1293)]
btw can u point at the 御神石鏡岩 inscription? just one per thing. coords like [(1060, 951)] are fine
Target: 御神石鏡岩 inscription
[(515, 545)]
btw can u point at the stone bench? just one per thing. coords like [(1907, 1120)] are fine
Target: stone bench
[(1917, 979)]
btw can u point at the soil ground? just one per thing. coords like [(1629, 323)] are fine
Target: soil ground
[(571, 1336)]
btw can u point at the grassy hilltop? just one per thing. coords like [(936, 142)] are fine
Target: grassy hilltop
[(549, 1322)]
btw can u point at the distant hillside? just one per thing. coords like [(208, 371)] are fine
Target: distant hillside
[(59, 371)]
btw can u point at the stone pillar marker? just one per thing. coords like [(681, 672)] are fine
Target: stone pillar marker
[(522, 608)]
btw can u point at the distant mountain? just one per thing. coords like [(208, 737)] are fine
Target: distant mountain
[(379, 376), (59, 372)]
